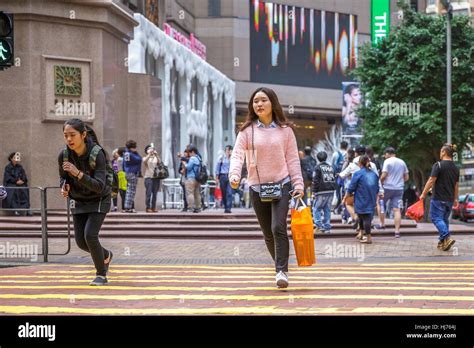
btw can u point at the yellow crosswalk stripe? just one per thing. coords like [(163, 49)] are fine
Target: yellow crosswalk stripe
[(246, 297), (210, 288), (247, 273), (257, 310), (243, 277), (181, 281)]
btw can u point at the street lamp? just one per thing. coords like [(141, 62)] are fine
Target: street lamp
[(449, 8)]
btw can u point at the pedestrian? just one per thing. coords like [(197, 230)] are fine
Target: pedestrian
[(222, 176), (410, 196), (193, 187), (337, 162), (183, 161), (84, 181), (267, 140), (444, 179), (364, 186), (14, 178), (152, 181), (393, 178), (117, 165), (324, 185), (352, 168), (132, 167), (308, 163), (348, 213)]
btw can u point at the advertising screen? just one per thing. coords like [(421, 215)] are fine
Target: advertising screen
[(301, 46)]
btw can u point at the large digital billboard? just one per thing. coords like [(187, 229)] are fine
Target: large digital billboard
[(301, 46)]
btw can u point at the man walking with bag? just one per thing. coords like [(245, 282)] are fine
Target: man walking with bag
[(445, 180), (324, 185)]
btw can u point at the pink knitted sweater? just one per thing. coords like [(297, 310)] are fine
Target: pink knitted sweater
[(276, 154)]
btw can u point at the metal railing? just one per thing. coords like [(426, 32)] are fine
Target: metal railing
[(43, 210), (173, 195)]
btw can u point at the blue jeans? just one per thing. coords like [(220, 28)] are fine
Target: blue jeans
[(439, 213), (322, 203), (227, 193)]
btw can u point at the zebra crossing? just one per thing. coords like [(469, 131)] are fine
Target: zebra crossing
[(424, 288)]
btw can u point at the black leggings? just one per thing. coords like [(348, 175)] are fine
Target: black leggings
[(365, 222), (272, 219), (86, 233)]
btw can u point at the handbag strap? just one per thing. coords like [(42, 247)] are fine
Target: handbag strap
[(254, 159)]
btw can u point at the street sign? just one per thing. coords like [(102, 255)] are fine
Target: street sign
[(6, 40), (380, 20)]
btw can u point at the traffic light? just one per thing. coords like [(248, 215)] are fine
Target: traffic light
[(6, 40)]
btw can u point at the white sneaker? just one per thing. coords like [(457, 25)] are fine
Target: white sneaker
[(281, 280)]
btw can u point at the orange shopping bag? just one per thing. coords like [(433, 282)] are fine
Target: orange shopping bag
[(302, 233), (416, 211)]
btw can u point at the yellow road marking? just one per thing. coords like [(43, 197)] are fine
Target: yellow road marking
[(211, 288), (246, 273), (262, 310), (134, 280), (244, 277), (236, 297)]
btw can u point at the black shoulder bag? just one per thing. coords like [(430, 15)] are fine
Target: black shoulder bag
[(268, 191)]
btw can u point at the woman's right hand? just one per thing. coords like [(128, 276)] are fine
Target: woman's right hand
[(234, 182), (65, 190)]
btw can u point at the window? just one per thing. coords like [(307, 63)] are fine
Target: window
[(214, 8), (414, 5)]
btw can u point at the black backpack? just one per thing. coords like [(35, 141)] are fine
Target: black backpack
[(308, 168), (202, 174), (111, 176)]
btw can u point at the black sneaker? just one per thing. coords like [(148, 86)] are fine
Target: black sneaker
[(99, 281), (196, 210), (107, 265), (184, 210)]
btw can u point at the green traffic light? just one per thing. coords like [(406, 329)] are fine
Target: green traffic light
[(5, 51)]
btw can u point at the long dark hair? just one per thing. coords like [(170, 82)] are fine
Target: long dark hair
[(278, 116), (91, 138), (365, 161), (82, 127)]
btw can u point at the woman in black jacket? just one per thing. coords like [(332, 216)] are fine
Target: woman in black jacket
[(15, 176), (88, 191)]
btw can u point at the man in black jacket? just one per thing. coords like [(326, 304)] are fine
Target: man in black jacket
[(324, 185)]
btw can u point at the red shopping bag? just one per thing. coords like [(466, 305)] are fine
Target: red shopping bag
[(303, 234), (416, 211)]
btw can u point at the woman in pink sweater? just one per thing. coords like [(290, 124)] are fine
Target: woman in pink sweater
[(267, 142)]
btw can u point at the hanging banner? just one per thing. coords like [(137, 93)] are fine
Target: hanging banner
[(351, 122), (380, 20)]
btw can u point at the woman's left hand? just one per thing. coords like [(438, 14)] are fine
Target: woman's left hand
[(71, 169), (297, 193)]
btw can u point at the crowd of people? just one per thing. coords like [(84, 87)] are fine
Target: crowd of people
[(264, 168)]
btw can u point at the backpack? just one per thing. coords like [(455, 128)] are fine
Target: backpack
[(339, 163), (202, 174), (308, 168), (111, 176)]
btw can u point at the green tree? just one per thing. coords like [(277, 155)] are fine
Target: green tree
[(410, 67)]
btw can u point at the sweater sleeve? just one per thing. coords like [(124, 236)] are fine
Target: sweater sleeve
[(238, 156), (96, 182), (293, 161)]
